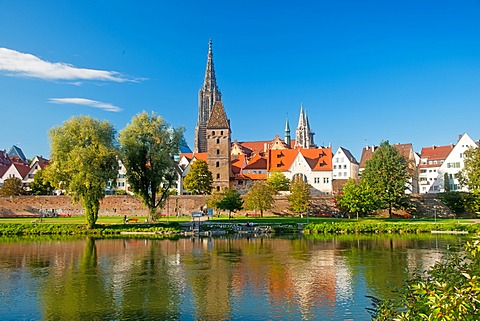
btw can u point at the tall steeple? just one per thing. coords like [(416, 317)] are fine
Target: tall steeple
[(207, 96), (287, 134), (303, 134)]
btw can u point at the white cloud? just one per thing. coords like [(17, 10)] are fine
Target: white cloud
[(85, 102), (16, 63)]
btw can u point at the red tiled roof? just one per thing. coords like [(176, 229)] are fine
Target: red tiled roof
[(23, 170), (190, 156), (255, 146), (319, 159), (405, 150), (257, 162), (436, 152)]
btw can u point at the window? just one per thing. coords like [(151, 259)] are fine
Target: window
[(121, 175), (345, 174), (217, 164), (213, 133), (326, 180), (422, 171), (218, 151), (461, 155), (344, 166), (218, 140), (316, 180), (221, 132), (218, 176), (334, 166)]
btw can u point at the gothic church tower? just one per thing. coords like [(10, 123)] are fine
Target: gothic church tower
[(219, 142), (207, 96), (303, 134)]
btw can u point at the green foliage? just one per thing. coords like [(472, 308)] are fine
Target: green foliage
[(386, 172), (357, 197), (278, 181), (342, 227), (461, 202), (470, 174), (148, 145), (83, 161), (12, 187), (199, 179), (230, 200), (40, 185), (446, 182), (450, 290), (259, 197), (300, 196)]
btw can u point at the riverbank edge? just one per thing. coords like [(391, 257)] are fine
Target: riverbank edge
[(175, 229)]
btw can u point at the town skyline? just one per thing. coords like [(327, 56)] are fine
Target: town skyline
[(405, 72)]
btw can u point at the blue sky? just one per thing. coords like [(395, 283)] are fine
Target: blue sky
[(365, 71)]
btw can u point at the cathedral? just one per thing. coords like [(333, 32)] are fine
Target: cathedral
[(239, 164)]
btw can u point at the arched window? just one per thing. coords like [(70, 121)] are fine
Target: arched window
[(218, 188), (218, 176), (217, 164), (299, 176), (213, 133), (218, 151), (218, 140), (221, 132)]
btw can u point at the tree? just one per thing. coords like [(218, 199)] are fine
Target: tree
[(446, 183), (357, 197), (148, 145), (230, 201), (300, 196), (83, 161), (470, 174), (260, 197), (40, 184), (278, 181), (199, 179), (386, 173), (12, 187)]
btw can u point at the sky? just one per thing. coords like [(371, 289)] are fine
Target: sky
[(406, 71)]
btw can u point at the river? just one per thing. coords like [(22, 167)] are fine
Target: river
[(225, 278)]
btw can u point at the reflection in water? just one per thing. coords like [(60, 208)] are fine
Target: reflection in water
[(296, 278)]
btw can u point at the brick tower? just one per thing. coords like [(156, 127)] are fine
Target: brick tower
[(218, 147)]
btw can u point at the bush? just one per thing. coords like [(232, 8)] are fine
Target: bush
[(450, 290)]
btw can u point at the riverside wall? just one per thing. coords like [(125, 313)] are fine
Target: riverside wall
[(120, 205)]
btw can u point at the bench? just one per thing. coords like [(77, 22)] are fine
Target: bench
[(252, 215), (133, 220)]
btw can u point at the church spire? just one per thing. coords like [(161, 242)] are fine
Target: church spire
[(287, 134), (207, 96), (303, 134)]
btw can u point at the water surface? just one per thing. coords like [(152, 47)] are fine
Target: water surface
[(229, 278)]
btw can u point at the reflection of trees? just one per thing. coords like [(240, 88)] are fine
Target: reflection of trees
[(209, 273), (150, 289), (78, 292)]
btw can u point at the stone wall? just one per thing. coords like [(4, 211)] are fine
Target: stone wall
[(120, 205)]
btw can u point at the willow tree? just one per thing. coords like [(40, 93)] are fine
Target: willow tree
[(148, 145), (83, 160)]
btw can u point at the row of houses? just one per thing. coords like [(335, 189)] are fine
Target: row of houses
[(14, 164), (433, 170)]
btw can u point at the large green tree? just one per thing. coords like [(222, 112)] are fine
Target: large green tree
[(230, 200), (259, 197), (278, 181), (83, 161), (148, 145), (12, 187), (386, 172), (357, 197), (199, 179), (299, 197)]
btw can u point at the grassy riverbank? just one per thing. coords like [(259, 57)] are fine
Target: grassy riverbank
[(171, 225)]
